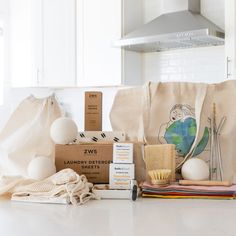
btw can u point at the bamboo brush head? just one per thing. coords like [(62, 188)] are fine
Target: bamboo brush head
[(160, 156), (160, 177)]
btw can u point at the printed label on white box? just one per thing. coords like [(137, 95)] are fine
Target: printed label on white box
[(121, 175), (123, 153)]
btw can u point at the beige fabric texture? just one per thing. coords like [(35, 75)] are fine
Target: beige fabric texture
[(144, 113), (65, 185), (27, 134)]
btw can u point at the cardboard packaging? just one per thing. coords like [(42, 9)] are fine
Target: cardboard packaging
[(123, 153), (121, 176), (91, 160), (93, 111)]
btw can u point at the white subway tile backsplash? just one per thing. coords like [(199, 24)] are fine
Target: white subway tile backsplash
[(176, 62), (188, 77), (204, 64), (175, 77), (165, 77)]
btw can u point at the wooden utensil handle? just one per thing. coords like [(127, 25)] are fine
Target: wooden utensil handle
[(205, 183)]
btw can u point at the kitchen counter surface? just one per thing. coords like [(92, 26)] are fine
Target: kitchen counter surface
[(120, 218)]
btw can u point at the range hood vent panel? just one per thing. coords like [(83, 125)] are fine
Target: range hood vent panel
[(182, 29)]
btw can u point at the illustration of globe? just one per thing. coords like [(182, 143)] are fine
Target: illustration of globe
[(182, 133)]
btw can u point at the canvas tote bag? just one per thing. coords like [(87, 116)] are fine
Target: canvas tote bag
[(27, 134), (178, 113)]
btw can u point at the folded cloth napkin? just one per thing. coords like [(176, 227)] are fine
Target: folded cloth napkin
[(178, 191), (66, 186)]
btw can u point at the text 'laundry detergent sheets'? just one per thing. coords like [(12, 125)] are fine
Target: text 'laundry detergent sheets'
[(178, 191)]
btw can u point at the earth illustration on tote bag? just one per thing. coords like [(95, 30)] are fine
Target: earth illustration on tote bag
[(181, 130)]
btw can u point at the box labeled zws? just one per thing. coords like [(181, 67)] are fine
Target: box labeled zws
[(91, 160), (123, 153)]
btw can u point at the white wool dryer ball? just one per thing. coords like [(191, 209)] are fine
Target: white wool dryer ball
[(40, 168), (63, 130), (195, 169)]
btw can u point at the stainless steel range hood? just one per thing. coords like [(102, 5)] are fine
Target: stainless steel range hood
[(181, 29)]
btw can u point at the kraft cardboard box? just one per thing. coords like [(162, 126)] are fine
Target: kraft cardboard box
[(90, 159), (93, 111)]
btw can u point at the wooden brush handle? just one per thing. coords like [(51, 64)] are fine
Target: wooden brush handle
[(205, 183)]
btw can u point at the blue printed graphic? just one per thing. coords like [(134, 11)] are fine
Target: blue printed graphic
[(181, 130), (182, 133)]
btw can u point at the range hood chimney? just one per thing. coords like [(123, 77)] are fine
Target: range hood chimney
[(174, 30)]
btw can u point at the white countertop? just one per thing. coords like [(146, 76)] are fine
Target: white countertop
[(120, 218)]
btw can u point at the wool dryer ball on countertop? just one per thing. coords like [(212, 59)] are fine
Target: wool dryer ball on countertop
[(63, 130), (41, 167), (195, 169)]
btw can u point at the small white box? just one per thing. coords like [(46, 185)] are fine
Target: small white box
[(123, 153), (104, 192), (121, 176)]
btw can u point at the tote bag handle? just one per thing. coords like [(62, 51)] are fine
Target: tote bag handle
[(146, 108), (199, 103)]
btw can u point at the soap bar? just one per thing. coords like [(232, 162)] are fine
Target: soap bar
[(160, 157), (123, 153), (121, 176)]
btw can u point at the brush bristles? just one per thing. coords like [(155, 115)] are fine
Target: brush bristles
[(160, 176)]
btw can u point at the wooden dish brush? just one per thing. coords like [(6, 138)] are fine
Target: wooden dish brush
[(160, 177)]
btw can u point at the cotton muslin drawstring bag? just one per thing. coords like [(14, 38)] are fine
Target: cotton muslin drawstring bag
[(64, 187), (27, 134), (181, 114)]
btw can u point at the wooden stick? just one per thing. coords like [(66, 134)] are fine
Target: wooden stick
[(205, 183)]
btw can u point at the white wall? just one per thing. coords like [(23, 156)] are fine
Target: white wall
[(4, 6), (4, 67), (151, 9), (132, 61), (4, 15), (214, 11)]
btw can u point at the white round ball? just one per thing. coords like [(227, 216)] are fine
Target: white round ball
[(63, 130), (195, 169), (40, 168)]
